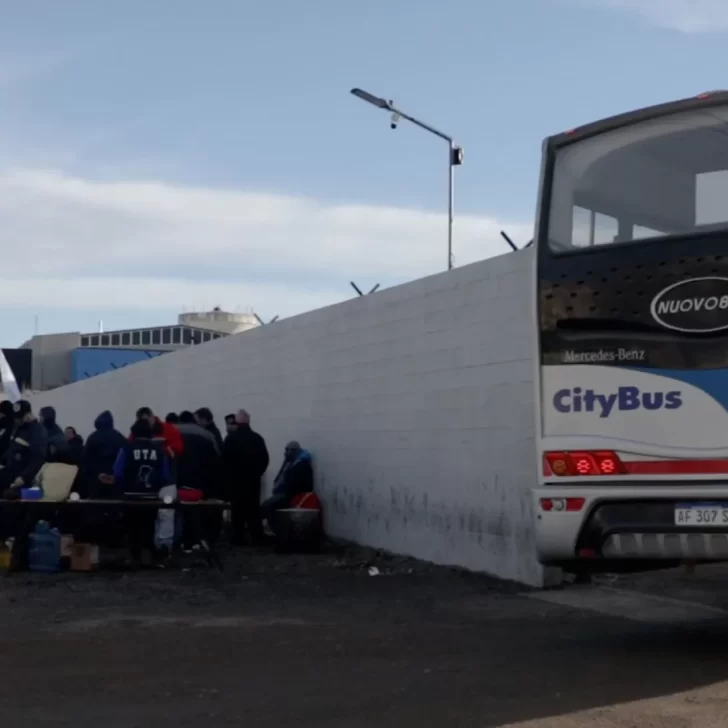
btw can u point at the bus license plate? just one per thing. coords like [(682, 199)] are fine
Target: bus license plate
[(697, 515)]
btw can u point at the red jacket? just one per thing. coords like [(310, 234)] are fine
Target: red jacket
[(172, 437)]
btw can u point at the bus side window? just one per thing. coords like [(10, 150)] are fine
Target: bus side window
[(592, 228)]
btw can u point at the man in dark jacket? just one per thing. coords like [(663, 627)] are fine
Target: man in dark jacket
[(245, 460), (7, 425), (57, 443), (198, 467), (25, 456), (27, 452), (100, 453), (206, 419)]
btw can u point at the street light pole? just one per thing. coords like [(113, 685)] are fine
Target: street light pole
[(455, 154), (450, 201)]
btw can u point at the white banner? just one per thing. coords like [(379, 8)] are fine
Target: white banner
[(10, 386)]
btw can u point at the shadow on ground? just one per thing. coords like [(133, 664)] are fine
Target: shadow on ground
[(317, 641)]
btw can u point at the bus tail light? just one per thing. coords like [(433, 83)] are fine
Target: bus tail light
[(591, 462), (562, 504)]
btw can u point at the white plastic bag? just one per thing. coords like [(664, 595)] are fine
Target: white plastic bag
[(164, 527)]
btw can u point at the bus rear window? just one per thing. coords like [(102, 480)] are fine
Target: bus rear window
[(667, 176)]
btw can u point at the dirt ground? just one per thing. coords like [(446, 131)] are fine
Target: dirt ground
[(318, 641)]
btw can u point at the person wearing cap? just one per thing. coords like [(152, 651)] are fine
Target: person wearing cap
[(295, 476), (26, 453)]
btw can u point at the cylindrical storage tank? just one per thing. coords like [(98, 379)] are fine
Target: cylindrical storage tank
[(223, 322)]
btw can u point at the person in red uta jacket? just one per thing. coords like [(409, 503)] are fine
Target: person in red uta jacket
[(172, 436)]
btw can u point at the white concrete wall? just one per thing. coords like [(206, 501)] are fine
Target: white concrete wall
[(417, 403)]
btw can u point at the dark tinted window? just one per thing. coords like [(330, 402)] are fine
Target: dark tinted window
[(166, 336), (126, 339), (94, 341), (135, 338), (115, 339), (156, 336), (146, 337), (176, 336), (85, 341)]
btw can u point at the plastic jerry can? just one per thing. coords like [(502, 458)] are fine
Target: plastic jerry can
[(44, 551)]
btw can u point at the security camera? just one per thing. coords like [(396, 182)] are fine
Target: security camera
[(395, 119)]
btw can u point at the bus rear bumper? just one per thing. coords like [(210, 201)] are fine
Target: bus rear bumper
[(626, 528)]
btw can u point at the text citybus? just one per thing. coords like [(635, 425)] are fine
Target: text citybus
[(632, 310)]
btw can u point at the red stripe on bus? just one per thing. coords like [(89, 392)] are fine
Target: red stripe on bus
[(675, 467)]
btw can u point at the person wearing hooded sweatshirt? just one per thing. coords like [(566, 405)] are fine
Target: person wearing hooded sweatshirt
[(74, 452), (295, 476), (7, 425), (102, 448), (57, 443)]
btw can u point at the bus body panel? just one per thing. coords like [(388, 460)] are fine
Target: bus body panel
[(632, 341), (558, 532)]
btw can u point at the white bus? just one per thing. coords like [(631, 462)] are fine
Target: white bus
[(632, 309)]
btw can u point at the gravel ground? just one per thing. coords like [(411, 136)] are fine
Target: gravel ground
[(317, 641)]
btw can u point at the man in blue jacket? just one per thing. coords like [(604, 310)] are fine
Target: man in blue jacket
[(141, 470), (142, 466)]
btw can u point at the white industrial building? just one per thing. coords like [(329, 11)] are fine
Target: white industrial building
[(417, 403)]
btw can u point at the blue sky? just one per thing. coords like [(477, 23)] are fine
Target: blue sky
[(168, 155)]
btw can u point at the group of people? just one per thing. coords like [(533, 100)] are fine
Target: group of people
[(185, 451)]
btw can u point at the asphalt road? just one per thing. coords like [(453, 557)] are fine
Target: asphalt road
[(319, 642)]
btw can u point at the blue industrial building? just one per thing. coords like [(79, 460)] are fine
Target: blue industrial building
[(87, 363)]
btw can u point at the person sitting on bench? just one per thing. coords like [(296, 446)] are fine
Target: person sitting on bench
[(295, 476)]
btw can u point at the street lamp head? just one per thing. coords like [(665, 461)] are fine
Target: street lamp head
[(371, 98)]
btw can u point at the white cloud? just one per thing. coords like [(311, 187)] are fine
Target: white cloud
[(687, 16), (80, 243)]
